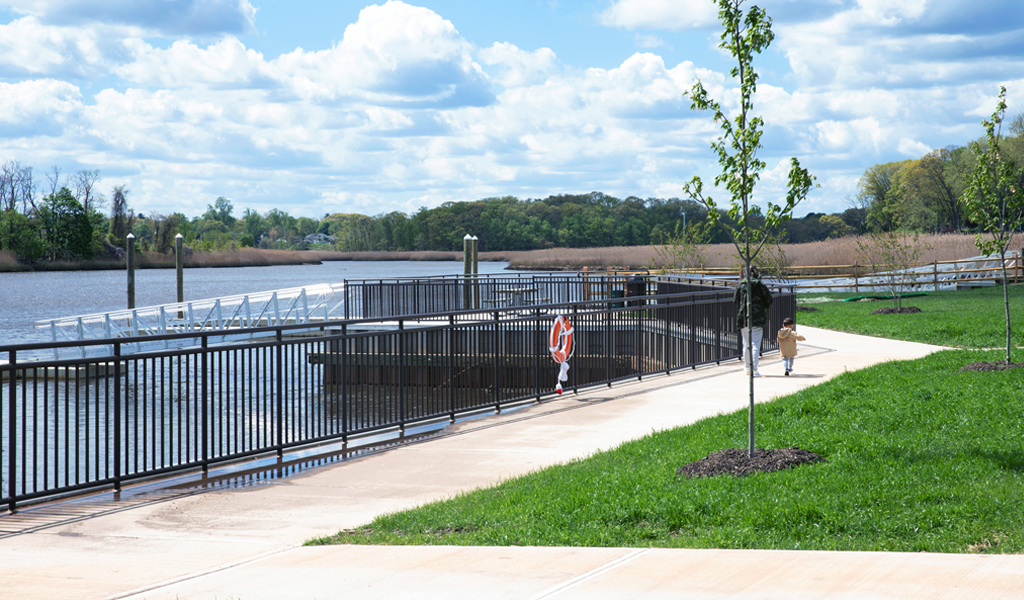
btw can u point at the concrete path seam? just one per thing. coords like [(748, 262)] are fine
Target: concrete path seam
[(200, 574), (592, 574)]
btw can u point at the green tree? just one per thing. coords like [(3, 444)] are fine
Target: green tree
[(834, 226), (994, 198), (67, 227), (220, 210), (940, 178), (20, 235), (255, 225), (879, 192), (743, 37)]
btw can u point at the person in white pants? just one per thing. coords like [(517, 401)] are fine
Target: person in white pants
[(752, 332)]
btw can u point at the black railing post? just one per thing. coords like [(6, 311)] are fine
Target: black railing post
[(402, 414), (342, 372), (451, 368), (638, 356), (117, 416), (279, 391), (205, 401), (494, 347), (538, 329), (609, 342), (12, 432), (694, 348), (717, 315), (348, 298), (666, 334), (575, 324)]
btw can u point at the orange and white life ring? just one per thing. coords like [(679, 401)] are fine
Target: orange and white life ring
[(560, 339)]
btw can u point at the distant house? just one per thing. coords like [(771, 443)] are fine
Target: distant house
[(319, 238)]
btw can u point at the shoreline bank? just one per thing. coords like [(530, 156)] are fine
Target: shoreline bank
[(247, 257), (829, 253)]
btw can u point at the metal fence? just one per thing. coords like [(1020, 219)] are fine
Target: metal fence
[(103, 419), (380, 298)]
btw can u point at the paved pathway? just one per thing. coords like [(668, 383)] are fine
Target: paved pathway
[(239, 535)]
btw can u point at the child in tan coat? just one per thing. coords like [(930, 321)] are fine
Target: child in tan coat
[(788, 337)]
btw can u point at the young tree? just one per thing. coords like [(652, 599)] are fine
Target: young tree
[(994, 199), (773, 260), (743, 37), (891, 254), (684, 248)]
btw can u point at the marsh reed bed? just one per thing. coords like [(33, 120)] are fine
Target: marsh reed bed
[(828, 253)]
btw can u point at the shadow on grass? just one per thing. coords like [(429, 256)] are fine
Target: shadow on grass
[(1007, 460)]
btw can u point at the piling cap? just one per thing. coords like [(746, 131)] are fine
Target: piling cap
[(474, 238), (468, 237), (131, 236), (179, 236)]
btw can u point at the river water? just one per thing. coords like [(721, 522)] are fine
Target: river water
[(29, 297)]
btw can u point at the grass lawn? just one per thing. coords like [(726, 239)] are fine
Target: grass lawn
[(919, 457), (964, 319)]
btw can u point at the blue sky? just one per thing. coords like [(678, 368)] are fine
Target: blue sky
[(317, 106)]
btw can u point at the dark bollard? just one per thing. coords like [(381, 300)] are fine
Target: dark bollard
[(474, 244), (131, 271), (467, 270), (179, 267)]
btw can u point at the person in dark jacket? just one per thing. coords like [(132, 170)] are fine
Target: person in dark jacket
[(752, 332)]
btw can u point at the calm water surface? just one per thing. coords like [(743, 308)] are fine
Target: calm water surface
[(29, 297)]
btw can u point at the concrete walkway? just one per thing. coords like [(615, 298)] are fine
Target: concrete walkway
[(239, 535)]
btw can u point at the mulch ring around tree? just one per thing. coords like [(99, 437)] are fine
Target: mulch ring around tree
[(734, 461), (892, 310), (998, 365)]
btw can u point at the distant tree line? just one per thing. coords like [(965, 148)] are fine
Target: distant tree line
[(925, 194), (65, 217)]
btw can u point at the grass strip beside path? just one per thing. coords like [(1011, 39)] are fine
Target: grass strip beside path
[(964, 319), (920, 457)]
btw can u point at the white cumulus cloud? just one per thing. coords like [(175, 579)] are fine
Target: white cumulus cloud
[(393, 53), (672, 15), (168, 17), (38, 107), (224, 64)]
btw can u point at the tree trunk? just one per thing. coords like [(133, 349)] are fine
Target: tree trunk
[(1006, 302)]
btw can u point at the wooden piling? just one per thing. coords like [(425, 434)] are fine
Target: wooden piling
[(131, 270)]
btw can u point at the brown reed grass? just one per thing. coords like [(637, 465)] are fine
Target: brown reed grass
[(424, 255), (829, 253), (244, 257), (9, 262)]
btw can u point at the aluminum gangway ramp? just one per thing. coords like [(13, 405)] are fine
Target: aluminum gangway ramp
[(309, 304)]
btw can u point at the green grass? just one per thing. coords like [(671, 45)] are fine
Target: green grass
[(964, 319), (919, 457)]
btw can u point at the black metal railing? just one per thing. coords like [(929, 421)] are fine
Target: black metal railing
[(383, 298), (108, 418)]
